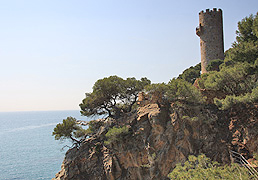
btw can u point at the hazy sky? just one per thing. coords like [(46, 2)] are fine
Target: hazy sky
[(52, 51)]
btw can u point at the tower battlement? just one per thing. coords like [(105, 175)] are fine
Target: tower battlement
[(210, 11), (210, 31)]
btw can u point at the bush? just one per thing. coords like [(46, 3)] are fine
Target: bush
[(214, 65), (179, 89), (116, 134), (229, 101), (243, 52), (69, 129), (231, 80), (245, 49), (191, 74), (157, 88), (202, 168), (93, 126)]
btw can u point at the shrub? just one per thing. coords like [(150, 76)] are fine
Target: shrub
[(69, 129), (191, 74), (231, 80), (229, 101), (202, 168), (179, 89), (214, 65), (116, 134), (93, 126), (157, 88)]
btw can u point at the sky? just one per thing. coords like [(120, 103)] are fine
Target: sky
[(52, 51)]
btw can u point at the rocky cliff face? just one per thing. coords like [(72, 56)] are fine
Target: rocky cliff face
[(159, 137)]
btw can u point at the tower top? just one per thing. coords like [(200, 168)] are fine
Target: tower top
[(208, 11)]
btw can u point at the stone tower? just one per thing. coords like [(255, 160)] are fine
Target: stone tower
[(210, 31)]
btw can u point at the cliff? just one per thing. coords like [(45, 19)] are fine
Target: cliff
[(159, 137)]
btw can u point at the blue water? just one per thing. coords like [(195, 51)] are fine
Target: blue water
[(28, 150)]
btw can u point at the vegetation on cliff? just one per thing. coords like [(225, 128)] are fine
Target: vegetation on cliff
[(69, 129), (116, 134), (191, 74), (202, 167), (112, 96), (200, 102)]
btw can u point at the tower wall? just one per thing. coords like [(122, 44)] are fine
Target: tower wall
[(210, 31)]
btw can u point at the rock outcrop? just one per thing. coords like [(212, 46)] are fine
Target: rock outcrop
[(159, 137)]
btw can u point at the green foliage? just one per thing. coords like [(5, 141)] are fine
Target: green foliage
[(93, 126), (245, 49), (229, 101), (179, 89), (176, 90), (231, 80), (157, 88), (116, 134), (202, 168), (130, 92), (80, 133), (69, 129), (243, 52), (112, 96), (214, 65), (191, 74), (255, 25), (247, 29), (238, 81)]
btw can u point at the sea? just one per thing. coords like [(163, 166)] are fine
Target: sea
[(28, 151)]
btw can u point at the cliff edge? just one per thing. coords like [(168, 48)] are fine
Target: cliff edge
[(158, 137)]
